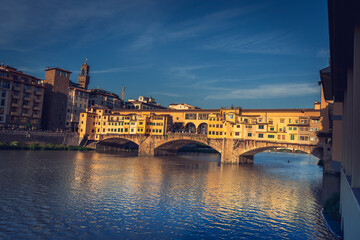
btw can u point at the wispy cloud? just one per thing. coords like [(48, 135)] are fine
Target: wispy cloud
[(276, 42), (186, 72), (166, 94), (120, 69), (323, 53), (268, 91), (192, 28)]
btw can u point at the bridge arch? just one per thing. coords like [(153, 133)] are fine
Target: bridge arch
[(315, 151), (113, 143), (172, 147)]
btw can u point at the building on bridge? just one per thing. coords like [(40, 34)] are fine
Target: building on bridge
[(295, 126)]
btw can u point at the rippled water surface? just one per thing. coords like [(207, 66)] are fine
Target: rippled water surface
[(75, 195)]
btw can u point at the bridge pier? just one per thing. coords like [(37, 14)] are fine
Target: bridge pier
[(246, 159)]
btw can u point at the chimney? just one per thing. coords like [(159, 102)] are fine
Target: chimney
[(123, 94)]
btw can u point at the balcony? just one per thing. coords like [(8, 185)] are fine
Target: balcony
[(37, 108), (14, 114), (25, 115), (28, 90), (15, 96), (37, 93), (27, 98), (17, 88), (37, 100), (36, 116), (15, 105), (26, 106)]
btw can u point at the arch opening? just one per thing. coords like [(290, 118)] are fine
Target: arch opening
[(117, 144), (202, 128), (190, 128), (315, 152), (176, 146)]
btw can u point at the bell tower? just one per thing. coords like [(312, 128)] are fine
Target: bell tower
[(84, 77)]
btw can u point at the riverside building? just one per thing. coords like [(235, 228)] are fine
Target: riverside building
[(343, 87), (55, 98), (280, 125), (21, 99)]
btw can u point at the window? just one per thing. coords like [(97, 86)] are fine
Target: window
[(237, 133), (290, 128), (203, 116), (271, 128), (295, 128), (271, 136), (59, 73), (249, 134), (292, 137), (191, 116), (6, 84), (289, 120), (282, 120), (261, 135), (261, 126)]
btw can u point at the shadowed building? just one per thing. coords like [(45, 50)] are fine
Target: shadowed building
[(344, 89), (55, 98), (77, 102)]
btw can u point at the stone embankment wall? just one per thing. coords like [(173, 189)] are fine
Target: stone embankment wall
[(64, 138)]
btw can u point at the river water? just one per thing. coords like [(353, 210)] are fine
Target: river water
[(89, 195)]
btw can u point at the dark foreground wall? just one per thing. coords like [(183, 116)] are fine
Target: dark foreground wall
[(70, 139)]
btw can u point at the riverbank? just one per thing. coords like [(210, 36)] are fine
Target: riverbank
[(40, 146)]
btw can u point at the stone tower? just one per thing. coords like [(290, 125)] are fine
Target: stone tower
[(84, 77)]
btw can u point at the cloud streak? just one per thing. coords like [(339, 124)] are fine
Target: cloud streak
[(268, 92), (166, 94), (275, 42), (120, 69)]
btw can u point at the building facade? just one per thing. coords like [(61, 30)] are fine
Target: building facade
[(21, 99), (343, 87), (102, 98), (181, 106), (77, 102), (280, 125), (55, 98), (143, 103)]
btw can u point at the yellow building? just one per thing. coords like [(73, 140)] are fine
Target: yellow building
[(277, 125)]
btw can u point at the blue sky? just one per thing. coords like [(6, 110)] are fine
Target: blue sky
[(252, 54)]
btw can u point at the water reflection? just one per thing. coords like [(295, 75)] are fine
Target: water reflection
[(96, 195)]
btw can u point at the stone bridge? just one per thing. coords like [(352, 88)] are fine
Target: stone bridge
[(231, 150)]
